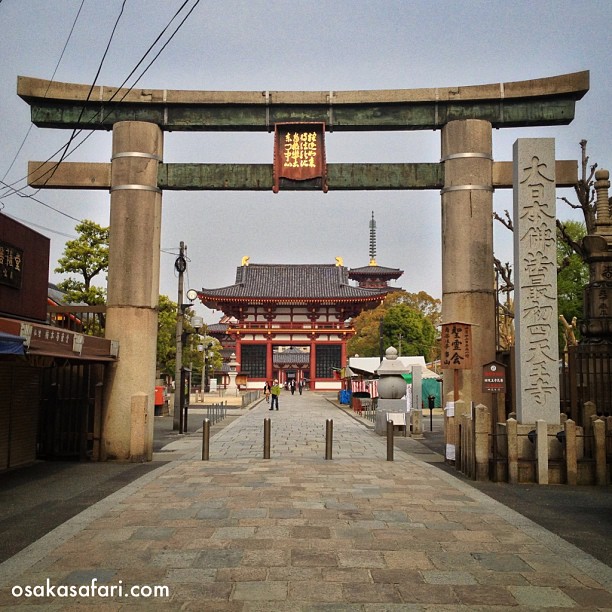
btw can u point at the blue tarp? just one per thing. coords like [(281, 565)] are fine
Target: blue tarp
[(11, 345)]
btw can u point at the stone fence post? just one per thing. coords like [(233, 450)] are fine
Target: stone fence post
[(482, 420)]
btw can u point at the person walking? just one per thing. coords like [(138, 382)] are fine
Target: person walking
[(275, 392), (267, 390), (292, 387), (301, 386)]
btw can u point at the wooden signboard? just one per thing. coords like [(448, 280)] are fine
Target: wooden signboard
[(456, 346), (494, 377), (299, 154)]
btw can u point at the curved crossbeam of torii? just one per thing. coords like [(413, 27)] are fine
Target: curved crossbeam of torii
[(136, 176)]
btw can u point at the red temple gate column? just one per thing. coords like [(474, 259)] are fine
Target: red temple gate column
[(269, 361), (313, 364)]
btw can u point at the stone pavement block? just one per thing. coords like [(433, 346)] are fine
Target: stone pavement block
[(266, 557), (202, 591), (356, 592), (233, 533), (347, 574), (217, 558), (310, 532), (483, 596), (499, 562), (402, 559), (268, 591), (426, 594), (79, 577), (500, 578), (293, 574), (153, 533), (239, 574), (361, 558), (187, 575), (301, 557), (541, 597), (327, 592), (174, 559), (397, 576), (589, 597), (448, 577)]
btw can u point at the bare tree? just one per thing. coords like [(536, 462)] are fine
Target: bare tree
[(585, 193)]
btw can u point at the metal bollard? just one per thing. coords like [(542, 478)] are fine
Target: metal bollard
[(205, 439), (329, 438), (389, 440), (267, 427)]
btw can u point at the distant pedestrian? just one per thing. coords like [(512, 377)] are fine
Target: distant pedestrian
[(275, 392), (301, 386), (267, 390), (292, 387)]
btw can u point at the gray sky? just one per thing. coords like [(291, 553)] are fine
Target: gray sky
[(282, 45)]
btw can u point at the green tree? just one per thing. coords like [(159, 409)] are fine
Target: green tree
[(572, 275), (86, 257), (192, 355), (410, 331), (166, 336), (409, 318)]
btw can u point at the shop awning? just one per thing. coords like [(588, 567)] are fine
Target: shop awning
[(11, 345)]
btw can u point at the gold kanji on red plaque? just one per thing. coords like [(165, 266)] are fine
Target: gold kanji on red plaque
[(299, 153)]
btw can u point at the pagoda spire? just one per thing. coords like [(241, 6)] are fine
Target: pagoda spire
[(373, 241)]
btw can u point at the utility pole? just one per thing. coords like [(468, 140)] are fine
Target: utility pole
[(180, 265)]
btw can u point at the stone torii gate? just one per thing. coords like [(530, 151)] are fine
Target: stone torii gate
[(466, 176)]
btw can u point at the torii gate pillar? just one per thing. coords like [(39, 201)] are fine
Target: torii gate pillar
[(468, 288), (133, 282)]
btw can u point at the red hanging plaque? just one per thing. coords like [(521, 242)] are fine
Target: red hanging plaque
[(299, 153)]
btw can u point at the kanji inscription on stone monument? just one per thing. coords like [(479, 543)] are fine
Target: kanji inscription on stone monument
[(535, 253)]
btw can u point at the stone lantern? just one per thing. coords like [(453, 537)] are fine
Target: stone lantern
[(391, 388), (233, 371)]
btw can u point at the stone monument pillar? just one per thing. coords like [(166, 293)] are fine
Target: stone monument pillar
[(468, 290), (133, 281), (535, 282)]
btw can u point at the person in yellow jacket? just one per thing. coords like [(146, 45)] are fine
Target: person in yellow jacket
[(275, 392)]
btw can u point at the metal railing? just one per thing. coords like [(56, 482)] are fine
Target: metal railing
[(216, 412), (88, 320)]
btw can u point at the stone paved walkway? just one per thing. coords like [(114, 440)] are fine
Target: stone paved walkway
[(299, 533)]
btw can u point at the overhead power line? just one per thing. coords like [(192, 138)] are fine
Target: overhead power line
[(65, 148), (59, 61)]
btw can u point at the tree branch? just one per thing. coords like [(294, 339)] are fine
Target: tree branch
[(506, 220), (575, 246)]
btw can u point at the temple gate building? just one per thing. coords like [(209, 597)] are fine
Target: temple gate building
[(291, 321)]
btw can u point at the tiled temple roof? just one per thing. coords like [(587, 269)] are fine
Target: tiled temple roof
[(294, 282), (375, 271)]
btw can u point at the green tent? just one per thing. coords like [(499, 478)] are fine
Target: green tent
[(431, 386)]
